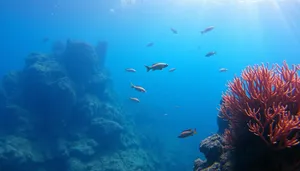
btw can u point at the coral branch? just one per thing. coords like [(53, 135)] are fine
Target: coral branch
[(267, 100)]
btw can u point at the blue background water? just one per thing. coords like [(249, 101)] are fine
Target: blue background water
[(247, 32)]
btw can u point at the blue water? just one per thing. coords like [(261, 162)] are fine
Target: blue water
[(246, 32)]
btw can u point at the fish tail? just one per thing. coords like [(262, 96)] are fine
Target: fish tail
[(132, 85), (148, 68), (195, 131)]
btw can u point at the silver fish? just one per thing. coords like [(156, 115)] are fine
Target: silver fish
[(172, 69), (130, 70), (223, 69), (134, 99), (156, 66), (208, 29), (138, 88)]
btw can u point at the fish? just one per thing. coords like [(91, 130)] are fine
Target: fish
[(209, 54), (130, 70), (138, 88), (208, 29), (187, 133), (134, 99), (156, 66), (174, 31), (172, 69), (150, 44), (223, 69)]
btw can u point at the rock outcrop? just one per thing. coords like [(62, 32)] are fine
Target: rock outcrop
[(58, 113)]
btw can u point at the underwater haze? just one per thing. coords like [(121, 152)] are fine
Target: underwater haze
[(246, 32)]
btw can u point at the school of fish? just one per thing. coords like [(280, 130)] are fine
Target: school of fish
[(160, 66)]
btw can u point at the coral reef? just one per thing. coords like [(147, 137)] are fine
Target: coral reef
[(262, 109), (58, 113)]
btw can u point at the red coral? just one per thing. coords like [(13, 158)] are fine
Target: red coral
[(268, 101)]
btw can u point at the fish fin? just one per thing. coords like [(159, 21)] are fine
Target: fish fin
[(186, 130), (148, 68), (132, 85)]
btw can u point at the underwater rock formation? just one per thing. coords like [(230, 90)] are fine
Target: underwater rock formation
[(198, 164), (58, 113), (212, 148), (262, 111)]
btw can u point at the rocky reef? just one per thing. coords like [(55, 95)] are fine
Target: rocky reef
[(59, 113)]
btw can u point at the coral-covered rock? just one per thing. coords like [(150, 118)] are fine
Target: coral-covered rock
[(53, 90), (225, 162), (97, 85), (213, 167), (34, 58), (87, 108), (58, 113), (16, 152), (17, 120), (112, 112), (129, 141), (11, 85), (128, 160), (42, 69), (81, 61), (75, 164), (212, 147), (198, 164), (83, 149), (90, 106), (106, 132)]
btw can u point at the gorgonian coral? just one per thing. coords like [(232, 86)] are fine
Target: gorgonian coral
[(266, 102)]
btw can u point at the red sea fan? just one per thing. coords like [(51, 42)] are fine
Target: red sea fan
[(265, 101)]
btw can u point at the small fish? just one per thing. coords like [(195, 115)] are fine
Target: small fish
[(134, 99), (209, 54), (150, 44), (130, 70), (138, 88), (174, 31), (223, 69), (156, 66), (172, 69), (187, 133), (208, 29)]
